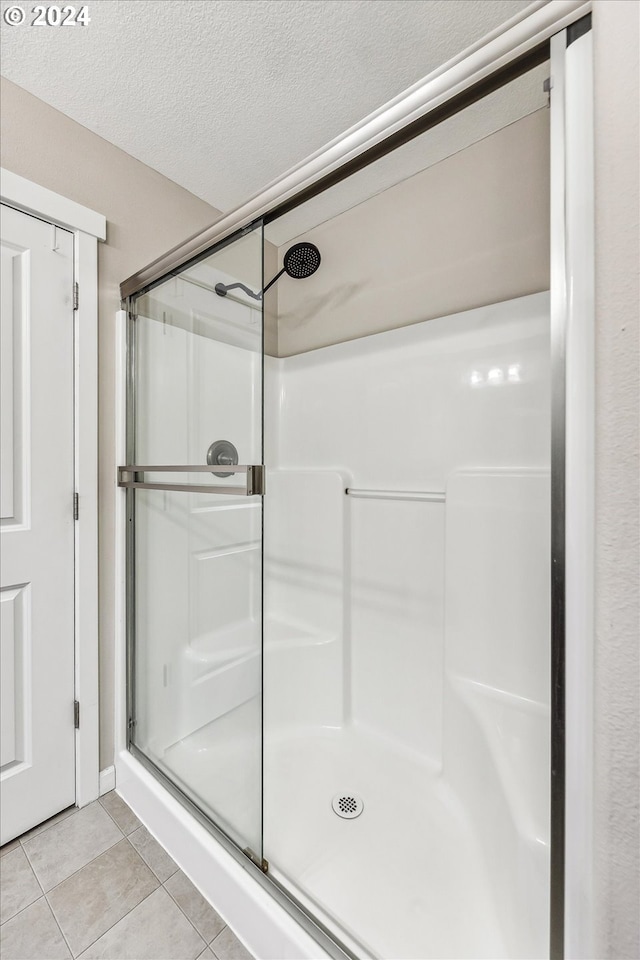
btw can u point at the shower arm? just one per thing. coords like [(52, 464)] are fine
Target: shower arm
[(222, 289)]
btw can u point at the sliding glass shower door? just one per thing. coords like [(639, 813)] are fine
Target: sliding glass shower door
[(195, 510)]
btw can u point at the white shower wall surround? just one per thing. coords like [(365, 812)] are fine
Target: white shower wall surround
[(406, 640), (406, 645)]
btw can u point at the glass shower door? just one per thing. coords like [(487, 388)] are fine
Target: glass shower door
[(195, 553)]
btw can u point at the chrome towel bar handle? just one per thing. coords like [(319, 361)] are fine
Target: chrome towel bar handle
[(129, 476)]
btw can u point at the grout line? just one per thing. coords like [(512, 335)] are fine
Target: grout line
[(33, 871), (24, 838), (148, 865), (235, 937), (64, 820), (55, 920), (22, 910), (185, 915), (160, 885), (154, 875), (163, 885), (129, 835), (99, 800), (44, 894), (109, 929), (55, 886), (30, 865)]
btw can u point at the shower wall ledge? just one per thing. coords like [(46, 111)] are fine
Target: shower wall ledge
[(515, 729)]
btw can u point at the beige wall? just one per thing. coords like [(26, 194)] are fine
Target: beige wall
[(617, 674), (146, 214), (468, 231)]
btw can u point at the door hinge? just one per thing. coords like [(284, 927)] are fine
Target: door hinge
[(76, 714), (547, 86), (76, 506), (76, 295)]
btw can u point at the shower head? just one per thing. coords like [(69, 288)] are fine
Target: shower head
[(300, 261)]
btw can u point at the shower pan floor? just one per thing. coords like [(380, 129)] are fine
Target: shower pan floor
[(406, 877)]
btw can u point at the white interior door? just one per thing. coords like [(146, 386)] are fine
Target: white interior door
[(37, 765)]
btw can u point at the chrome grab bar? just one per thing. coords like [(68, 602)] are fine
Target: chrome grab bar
[(254, 472), (433, 496)]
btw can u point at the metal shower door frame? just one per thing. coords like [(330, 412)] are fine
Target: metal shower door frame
[(129, 478), (507, 53)]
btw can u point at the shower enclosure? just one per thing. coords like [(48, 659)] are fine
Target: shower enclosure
[(343, 648)]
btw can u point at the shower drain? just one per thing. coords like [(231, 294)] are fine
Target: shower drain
[(347, 805)]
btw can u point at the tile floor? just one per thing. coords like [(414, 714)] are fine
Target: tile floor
[(94, 883)]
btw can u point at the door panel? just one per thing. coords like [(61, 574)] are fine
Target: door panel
[(37, 775), (197, 552)]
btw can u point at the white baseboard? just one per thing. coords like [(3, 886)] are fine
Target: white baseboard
[(107, 780)]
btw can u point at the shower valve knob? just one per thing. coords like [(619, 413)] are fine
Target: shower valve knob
[(224, 454)]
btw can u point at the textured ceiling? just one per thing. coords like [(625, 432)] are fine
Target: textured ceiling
[(222, 96)]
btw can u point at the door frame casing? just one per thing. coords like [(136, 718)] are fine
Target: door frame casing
[(87, 228)]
